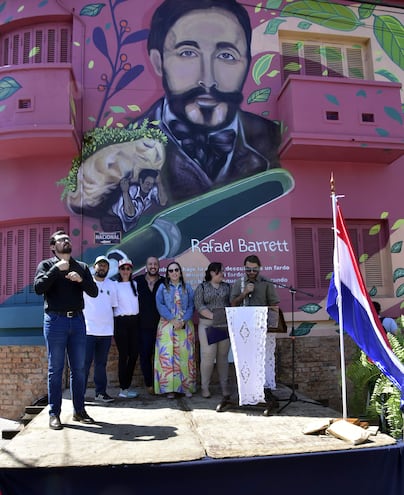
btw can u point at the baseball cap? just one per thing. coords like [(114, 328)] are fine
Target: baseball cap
[(125, 262), (101, 258)]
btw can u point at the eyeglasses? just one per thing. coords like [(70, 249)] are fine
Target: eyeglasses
[(255, 270), (171, 270), (125, 268)]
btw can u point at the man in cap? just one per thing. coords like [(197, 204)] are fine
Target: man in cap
[(99, 318)]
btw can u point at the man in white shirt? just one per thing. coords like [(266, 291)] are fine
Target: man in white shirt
[(99, 318)]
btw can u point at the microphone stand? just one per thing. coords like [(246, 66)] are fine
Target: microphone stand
[(293, 397)]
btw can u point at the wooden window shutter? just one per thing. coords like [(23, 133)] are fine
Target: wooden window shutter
[(305, 272), (38, 46), (312, 60), (326, 251), (65, 45), (355, 63), (334, 61), (290, 59), (16, 49), (26, 47), (51, 55)]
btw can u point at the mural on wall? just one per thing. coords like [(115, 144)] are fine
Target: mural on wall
[(200, 172)]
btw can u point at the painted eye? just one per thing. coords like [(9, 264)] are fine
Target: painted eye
[(188, 54), (226, 56)]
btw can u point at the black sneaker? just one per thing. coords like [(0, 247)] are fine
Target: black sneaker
[(103, 398), (83, 417)]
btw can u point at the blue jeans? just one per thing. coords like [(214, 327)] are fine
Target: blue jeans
[(97, 349), (65, 335)]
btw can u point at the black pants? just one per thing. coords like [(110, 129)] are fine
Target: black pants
[(126, 333), (147, 340)]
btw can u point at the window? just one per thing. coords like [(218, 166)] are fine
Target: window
[(40, 44), (314, 246), (322, 58), (22, 247)]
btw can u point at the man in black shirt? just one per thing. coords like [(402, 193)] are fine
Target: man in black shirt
[(147, 286), (62, 280)]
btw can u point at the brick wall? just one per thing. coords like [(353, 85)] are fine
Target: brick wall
[(23, 371)]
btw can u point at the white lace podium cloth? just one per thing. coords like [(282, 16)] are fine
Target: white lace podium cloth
[(253, 351)]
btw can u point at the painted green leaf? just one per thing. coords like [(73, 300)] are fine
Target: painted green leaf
[(363, 258), (273, 73), (2, 107), (8, 86), (34, 51), (2, 6), (117, 109), (293, 67), (398, 273), (260, 95), (397, 224), (393, 114), (304, 25), (261, 66), (402, 305), (92, 9), (274, 224), (273, 25), (389, 32), (396, 247), (384, 214), (303, 329), (400, 291), (134, 108), (332, 99), (43, 3), (310, 308), (361, 92), (328, 276), (109, 122), (373, 291), (330, 15), (375, 229), (273, 4), (365, 11), (258, 8), (388, 75), (382, 132)]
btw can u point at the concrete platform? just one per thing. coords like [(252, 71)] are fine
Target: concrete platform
[(154, 429)]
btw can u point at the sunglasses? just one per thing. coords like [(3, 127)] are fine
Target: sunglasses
[(255, 270), (125, 268), (171, 270)]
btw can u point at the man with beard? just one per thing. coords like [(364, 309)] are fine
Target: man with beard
[(99, 318), (62, 281), (201, 50), (147, 285)]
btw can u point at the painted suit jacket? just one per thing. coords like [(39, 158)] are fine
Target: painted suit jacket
[(255, 150)]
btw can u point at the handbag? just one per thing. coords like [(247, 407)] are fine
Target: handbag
[(218, 330), (216, 334), (276, 320)]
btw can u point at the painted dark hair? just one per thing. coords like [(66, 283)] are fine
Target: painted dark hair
[(215, 267), (167, 278), (252, 258), (168, 13)]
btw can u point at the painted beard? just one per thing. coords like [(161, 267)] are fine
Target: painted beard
[(214, 117)]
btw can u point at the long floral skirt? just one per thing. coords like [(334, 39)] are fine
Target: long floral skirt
[(174, 360)]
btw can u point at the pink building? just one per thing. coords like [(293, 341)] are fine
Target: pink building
[(327, 80)]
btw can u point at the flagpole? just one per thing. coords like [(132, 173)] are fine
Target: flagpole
[(337, 282)]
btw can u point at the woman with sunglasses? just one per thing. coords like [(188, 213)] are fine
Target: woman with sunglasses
[(210, 295), (126, 328), (174, 362)]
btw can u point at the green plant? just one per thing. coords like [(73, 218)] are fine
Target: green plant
[(385, 397)]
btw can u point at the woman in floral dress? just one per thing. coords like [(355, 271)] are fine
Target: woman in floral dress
[(174, 362)]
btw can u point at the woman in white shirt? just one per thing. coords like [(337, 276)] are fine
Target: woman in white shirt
[(126, 328)]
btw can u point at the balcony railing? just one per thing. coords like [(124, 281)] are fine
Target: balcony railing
[(332, 119), (40, 112)]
